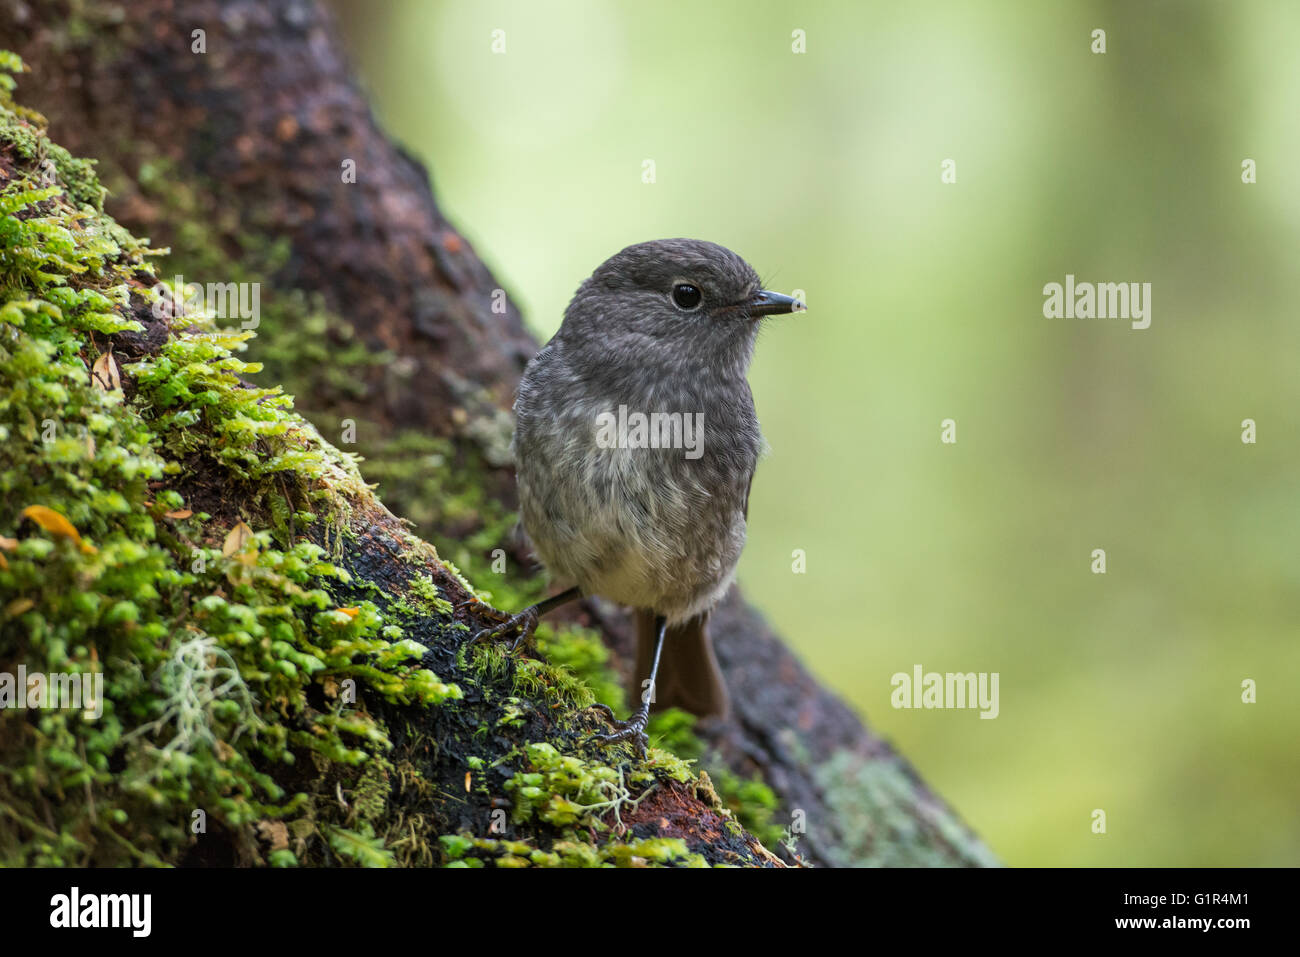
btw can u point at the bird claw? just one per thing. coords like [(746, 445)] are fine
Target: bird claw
[(482, 609), (525, 623), (633, 729)]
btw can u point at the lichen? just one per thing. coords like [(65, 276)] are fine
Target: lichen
[(881, 824)]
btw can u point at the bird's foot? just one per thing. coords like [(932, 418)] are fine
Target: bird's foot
[(525, 623), (633, 729)]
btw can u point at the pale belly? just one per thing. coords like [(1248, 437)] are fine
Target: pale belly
[(653, 538)]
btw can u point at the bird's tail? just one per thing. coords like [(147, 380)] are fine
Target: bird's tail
[(688, 671)]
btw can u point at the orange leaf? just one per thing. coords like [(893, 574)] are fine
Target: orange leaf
[(56, 524), (179, 513), (351, 612)]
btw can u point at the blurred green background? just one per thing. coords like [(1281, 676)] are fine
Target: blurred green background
[(1119, 691)]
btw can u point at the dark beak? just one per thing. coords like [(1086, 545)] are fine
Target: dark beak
[(768, 303)]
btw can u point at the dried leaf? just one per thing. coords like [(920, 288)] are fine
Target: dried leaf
[(237, 540), (104, 373), (56, 524), (179, 513), (8, 544), (350, 612), (274, 833), (18, 606)]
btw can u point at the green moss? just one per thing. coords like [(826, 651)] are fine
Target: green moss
[(361, 847), (430, 601), (212, 658), (643, 852), (28, 142), (565, 790), (583, 653)]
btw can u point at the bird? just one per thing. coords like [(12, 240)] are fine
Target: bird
[(635, 445)]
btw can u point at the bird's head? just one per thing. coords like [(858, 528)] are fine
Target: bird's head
[(684, 298)]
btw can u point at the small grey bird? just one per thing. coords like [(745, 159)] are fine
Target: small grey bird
[(635, 444)]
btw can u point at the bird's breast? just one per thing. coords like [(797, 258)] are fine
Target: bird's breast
[(636, 500)]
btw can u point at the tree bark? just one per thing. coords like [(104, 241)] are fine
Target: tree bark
[(254, 133)]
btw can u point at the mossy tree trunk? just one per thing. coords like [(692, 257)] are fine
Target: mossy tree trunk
[(376, 312)]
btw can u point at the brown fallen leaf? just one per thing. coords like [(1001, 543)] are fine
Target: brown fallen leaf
[(237, 540), (18, 606), (350, 612), (56, 524), (104, 373), (274, 833), (178, 513), (8, 544)]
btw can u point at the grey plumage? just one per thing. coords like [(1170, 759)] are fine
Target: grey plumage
[(650, 528)]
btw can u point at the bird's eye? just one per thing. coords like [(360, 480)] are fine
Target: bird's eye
[(686, 296)]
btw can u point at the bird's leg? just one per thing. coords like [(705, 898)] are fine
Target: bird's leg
[(525, 622), (633, 729)]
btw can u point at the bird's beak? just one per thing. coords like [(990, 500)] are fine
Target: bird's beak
[(768, 303)]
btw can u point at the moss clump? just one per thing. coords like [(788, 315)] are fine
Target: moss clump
[(215, 645), (31, 147), (564, 790), (466, 851), (581, 652)]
